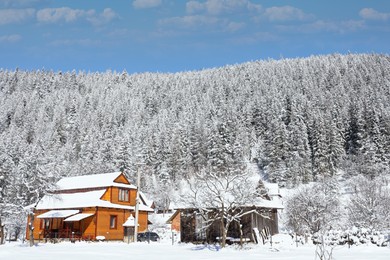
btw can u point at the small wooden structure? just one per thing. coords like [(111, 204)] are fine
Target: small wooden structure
[(129, 227), (196, 227), (86, 207)]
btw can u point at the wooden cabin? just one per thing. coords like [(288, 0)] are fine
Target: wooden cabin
[(196, 228), (88, 207)]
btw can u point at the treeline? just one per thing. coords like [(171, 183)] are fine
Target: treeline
[(297, 120)]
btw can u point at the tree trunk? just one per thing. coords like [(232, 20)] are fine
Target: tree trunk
[(1, 232), (223, 231), (31, 228)]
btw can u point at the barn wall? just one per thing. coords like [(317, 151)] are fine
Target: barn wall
[(175, 225), (248, 222)]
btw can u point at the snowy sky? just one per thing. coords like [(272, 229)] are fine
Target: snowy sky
[(179, 35)]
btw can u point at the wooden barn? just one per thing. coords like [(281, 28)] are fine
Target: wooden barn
[(196, 228), (88, 207)]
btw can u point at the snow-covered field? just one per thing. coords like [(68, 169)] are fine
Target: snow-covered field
[(285, 249)]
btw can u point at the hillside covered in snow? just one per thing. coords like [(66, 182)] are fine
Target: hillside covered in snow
[(296, 120)]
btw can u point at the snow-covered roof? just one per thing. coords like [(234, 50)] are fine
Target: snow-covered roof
[(269, 204), (260, 203), (79, 217), (273, 189), (76, 200), (92, 181), (58, 213), (81, 200), (148, 202), (130, 222)]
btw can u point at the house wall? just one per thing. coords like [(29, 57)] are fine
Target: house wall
[(112, 195), (117, 233), (96, 225), (38, 229), (87, 226), (143, 221)]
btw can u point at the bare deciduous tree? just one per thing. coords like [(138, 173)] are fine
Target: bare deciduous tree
[(221, 198), (369, 206), (312, 208)]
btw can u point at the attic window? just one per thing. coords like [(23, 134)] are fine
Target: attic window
[(123, 195)]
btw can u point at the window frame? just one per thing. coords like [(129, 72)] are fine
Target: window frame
[(124, 195), (115, 219)]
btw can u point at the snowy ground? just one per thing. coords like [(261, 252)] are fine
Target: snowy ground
[(285, 249)]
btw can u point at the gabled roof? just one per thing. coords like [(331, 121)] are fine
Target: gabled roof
[(147, 202), (81, 200), (259, 203), (93, 181), (76, 200)]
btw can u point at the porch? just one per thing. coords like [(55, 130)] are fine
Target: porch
[(69, 225)]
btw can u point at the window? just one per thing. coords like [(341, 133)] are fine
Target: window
[(45, 224), (123, 195), (113, 222)]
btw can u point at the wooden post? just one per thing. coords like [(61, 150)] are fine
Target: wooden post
[(1, 232), (241, 235), (137, 205), (31, 228)]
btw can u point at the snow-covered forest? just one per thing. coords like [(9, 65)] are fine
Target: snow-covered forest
[(297, 120)]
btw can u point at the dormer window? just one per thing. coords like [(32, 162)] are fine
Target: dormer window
[(123, 195)]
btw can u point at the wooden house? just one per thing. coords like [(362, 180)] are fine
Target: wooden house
[(88, 207), (195, 227)]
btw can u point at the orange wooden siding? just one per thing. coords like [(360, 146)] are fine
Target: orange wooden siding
[(107, 195), (112, 195), (121, 179), (133, 195), (175, 225)]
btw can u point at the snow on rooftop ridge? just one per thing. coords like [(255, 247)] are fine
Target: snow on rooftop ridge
[(81, 200), (91, 181), (273, 188), (145, 199)]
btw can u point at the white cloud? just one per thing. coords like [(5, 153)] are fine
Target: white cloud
[(194, 7), (324, 26), (66, 14), (190, 21), (139, 4), (53, 15), (105, 17), (10, 38), (71, 42), (217, 7), (233, 26), (372, 14), (285, 13), (351, 25), (8, 16), (20, 3)]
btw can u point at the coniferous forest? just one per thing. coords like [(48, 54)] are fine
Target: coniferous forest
[(296, 120)]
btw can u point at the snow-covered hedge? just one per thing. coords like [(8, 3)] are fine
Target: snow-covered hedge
[(355, 236)]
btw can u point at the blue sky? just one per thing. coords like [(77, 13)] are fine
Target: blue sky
[(180, 35)]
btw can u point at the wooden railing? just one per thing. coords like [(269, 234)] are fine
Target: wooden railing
[(55, 235)]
